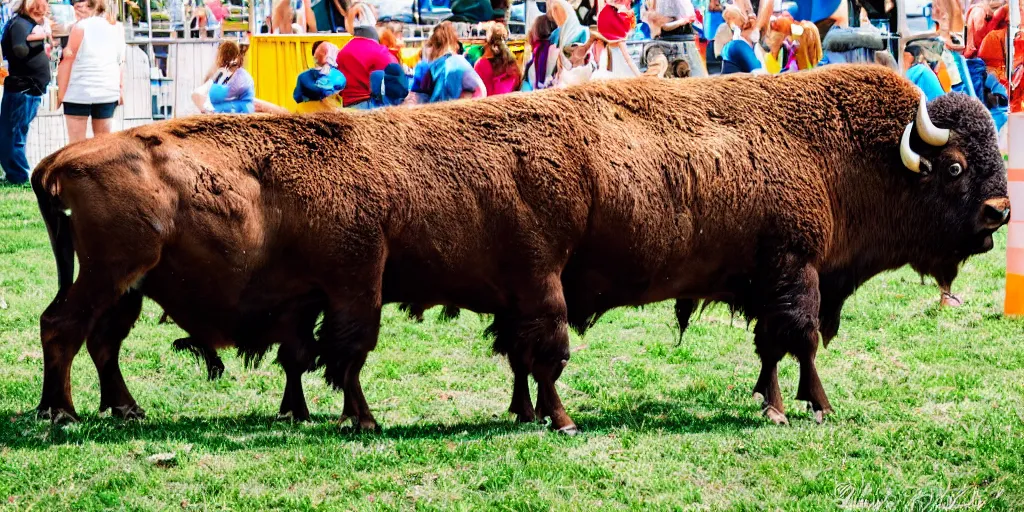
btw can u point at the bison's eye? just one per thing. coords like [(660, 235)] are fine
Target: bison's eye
[(955, 170)]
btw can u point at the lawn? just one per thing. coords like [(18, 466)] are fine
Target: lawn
[(929, 414)]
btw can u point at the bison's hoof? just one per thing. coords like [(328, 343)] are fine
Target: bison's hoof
[(57, 415), (292, 416), (568, 430), (525, 418), (775, 415), (214, 372), (819, 417), (366, 424), (128, 412), (950, 300), (818, 414)]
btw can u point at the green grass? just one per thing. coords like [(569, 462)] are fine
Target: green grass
[(929, 414)]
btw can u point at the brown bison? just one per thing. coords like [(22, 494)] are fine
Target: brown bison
[(545, 209)]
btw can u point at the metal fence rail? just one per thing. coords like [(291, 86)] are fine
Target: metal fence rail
[(159, 76)]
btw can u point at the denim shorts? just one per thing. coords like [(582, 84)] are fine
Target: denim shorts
[(93, 110)]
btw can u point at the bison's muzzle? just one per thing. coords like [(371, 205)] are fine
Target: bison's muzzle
[(995, 213)]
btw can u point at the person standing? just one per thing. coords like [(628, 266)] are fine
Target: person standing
[(89, 76), (26, 48)]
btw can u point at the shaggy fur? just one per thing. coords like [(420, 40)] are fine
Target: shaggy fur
[(576, 201)]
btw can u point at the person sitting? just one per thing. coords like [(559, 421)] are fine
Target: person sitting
[(323, 80), (390, 35), (231, 89), (389, 86), (778, 54), (444, 74), (989, 90), (807, 40), (671, 23), (359, 57), (922, 74), (993, 47), (978, 17), (539, 69), (497, 67), (737, 53)]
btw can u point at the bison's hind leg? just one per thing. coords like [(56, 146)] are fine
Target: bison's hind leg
[(104, 345), (202, 352), (93, 307)]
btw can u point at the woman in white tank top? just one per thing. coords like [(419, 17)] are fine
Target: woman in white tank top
[(89, 76)]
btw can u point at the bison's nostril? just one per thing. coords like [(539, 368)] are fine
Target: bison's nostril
[(997, 214)]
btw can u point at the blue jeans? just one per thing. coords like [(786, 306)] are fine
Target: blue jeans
[(17, 110)]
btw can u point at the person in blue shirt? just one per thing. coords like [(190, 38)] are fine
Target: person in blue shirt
[(922, 75), (322, 81)]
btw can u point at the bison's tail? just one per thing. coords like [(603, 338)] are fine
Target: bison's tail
[(58, 224)]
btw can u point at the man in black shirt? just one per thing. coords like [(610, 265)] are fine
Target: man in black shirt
[(24, 45)]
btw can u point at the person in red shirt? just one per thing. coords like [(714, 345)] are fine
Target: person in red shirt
[(356, 60)]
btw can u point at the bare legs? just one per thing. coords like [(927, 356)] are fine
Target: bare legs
[(78, 127)]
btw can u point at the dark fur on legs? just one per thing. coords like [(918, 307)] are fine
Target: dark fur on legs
[(346, 337), (788, 322), (214, 364)]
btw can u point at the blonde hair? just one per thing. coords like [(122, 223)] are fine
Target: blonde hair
[(25, 5), (443, 39), (808, 52), (282, 16), (502, 58)]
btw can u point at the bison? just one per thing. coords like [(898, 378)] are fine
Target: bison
[(544, 209)]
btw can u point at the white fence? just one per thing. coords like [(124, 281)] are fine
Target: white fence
[(158, 81)]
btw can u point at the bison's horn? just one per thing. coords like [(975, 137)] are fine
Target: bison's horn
[(928, 132), (910, 159)]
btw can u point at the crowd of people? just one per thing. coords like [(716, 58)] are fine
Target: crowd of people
[(565, 44), (88, 76)]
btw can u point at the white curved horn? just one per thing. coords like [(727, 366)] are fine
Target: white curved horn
[(910, 159), (928, 132)]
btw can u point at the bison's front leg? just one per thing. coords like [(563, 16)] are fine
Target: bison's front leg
[(544, 331), (506, 342), (684, 310), (104, 346), (789, 323), (296, 359)]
